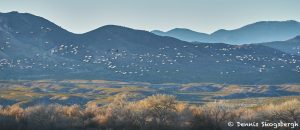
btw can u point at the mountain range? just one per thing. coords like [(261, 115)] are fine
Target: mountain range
[(32, 47), (264, 31)]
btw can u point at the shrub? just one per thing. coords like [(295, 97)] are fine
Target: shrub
[(288, 111), (158, 112)]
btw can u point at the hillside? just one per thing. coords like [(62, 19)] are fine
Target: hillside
[(291, 46), (35, 48)]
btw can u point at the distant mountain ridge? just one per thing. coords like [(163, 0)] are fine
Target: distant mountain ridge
[(184, 34), (264, 31), (32, 47)]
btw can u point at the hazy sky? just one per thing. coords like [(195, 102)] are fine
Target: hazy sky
[(200, 15)]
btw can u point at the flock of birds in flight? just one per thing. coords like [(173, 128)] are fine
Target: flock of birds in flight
[(125, 62)]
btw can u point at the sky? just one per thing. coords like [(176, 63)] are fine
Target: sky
[(206, 16)]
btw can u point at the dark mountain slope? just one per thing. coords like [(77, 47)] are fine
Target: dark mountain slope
[(291, 46), (120, 53)]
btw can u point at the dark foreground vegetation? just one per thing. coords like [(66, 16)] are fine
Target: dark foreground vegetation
[(159, 112)]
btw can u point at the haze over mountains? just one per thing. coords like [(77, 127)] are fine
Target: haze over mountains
[(265, 31), (32, 47)]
